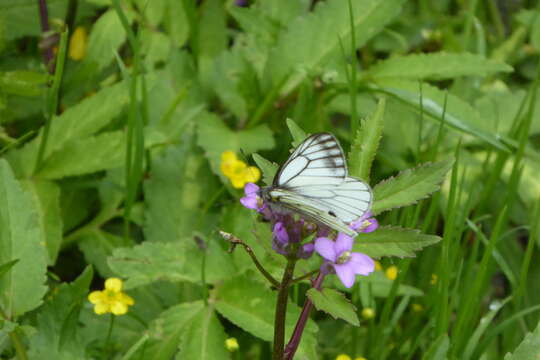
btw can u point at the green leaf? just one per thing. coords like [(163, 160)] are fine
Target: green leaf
[(57, 335), (381, 286), (167, 330), (101, 152), (96, 246), (267, 167), (176, 21), (438, 349), (106, 37), (297, 133), (4, 268), (46, 198), (307, 45), (256, 314), (410, 185), (365, 144), (435, 66), (204, 338), (215, 138), (23, 82), (22, 238), (171, 261), (334, 303), (393, 241), (528, 349)]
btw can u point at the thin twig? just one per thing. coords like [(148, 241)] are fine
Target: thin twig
[(48, 55), (304, 277), (236, 241)]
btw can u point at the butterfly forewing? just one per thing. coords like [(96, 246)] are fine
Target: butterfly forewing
[(318, 160)]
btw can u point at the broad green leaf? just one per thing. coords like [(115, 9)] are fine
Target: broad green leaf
[(215, 138), (96, 246), (22, 238), (166, 331), (106, 36), (409, 186), (267, 167), (334, 303), (458, 115), (255, 314), (178, 187), (57, 335), (4, 268), (46, 197), (365, 143), (284, 11), (297, 133), (101, 152), (311, 41), (435, 66), (204, 338), (175, 21), (171, 261), (529, 349), (393, 241), (438, 349), (23, 82)]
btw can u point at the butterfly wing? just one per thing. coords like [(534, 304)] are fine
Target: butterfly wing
[(317, 160)]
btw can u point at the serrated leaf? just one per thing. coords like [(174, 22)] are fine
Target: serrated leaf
[(435, 66), (256, 313), (310, 41), (166, 330), (393, 241), (46, 197), (528, 349), (365, 144), (96, 246), (204, 338), (297, 133), (409, 186), (334, 303), (171, 261), (57, 322), (100, 152), (21, 237), (215, 138), (267, 167)]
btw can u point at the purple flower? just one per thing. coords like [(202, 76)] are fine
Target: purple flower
[(280, 238), (365, 224), (252, 199), (345, 263)]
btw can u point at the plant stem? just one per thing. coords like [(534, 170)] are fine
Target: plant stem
[(109, 332), (48, 55), (281, 310), (19, 348), (291, 347)]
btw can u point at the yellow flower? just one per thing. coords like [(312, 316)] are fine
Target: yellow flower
[(392, 272), (77, 44), (368, 313), (378, 266), (112, 299), (417, 307), (237, 171), (343, 357), (434, 279), (231, 344)]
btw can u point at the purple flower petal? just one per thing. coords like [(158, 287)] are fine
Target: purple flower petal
[(343, 243), (280, 233), (345, 274), (373, 225), (325, 248), (306, 251), (251, 189), (251, 202), (361, 264)]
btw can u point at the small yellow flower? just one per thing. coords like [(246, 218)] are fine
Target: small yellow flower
[(417, 307), (237, 171), (434, 279), (343, 357), (378, 266), (392, 272), (77, 44), (231, 344), (112, 299), (368, 313)]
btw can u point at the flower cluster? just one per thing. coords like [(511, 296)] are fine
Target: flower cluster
[(111, 299), (237, 171), (288, 233)]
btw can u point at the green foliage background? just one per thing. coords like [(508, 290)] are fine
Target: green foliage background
[(110, 167)]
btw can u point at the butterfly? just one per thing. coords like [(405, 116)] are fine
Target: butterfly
[(314, 183)]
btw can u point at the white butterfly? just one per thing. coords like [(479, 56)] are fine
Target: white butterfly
[(314, 183)]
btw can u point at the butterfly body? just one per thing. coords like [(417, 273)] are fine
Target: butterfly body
[(314, 183)]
